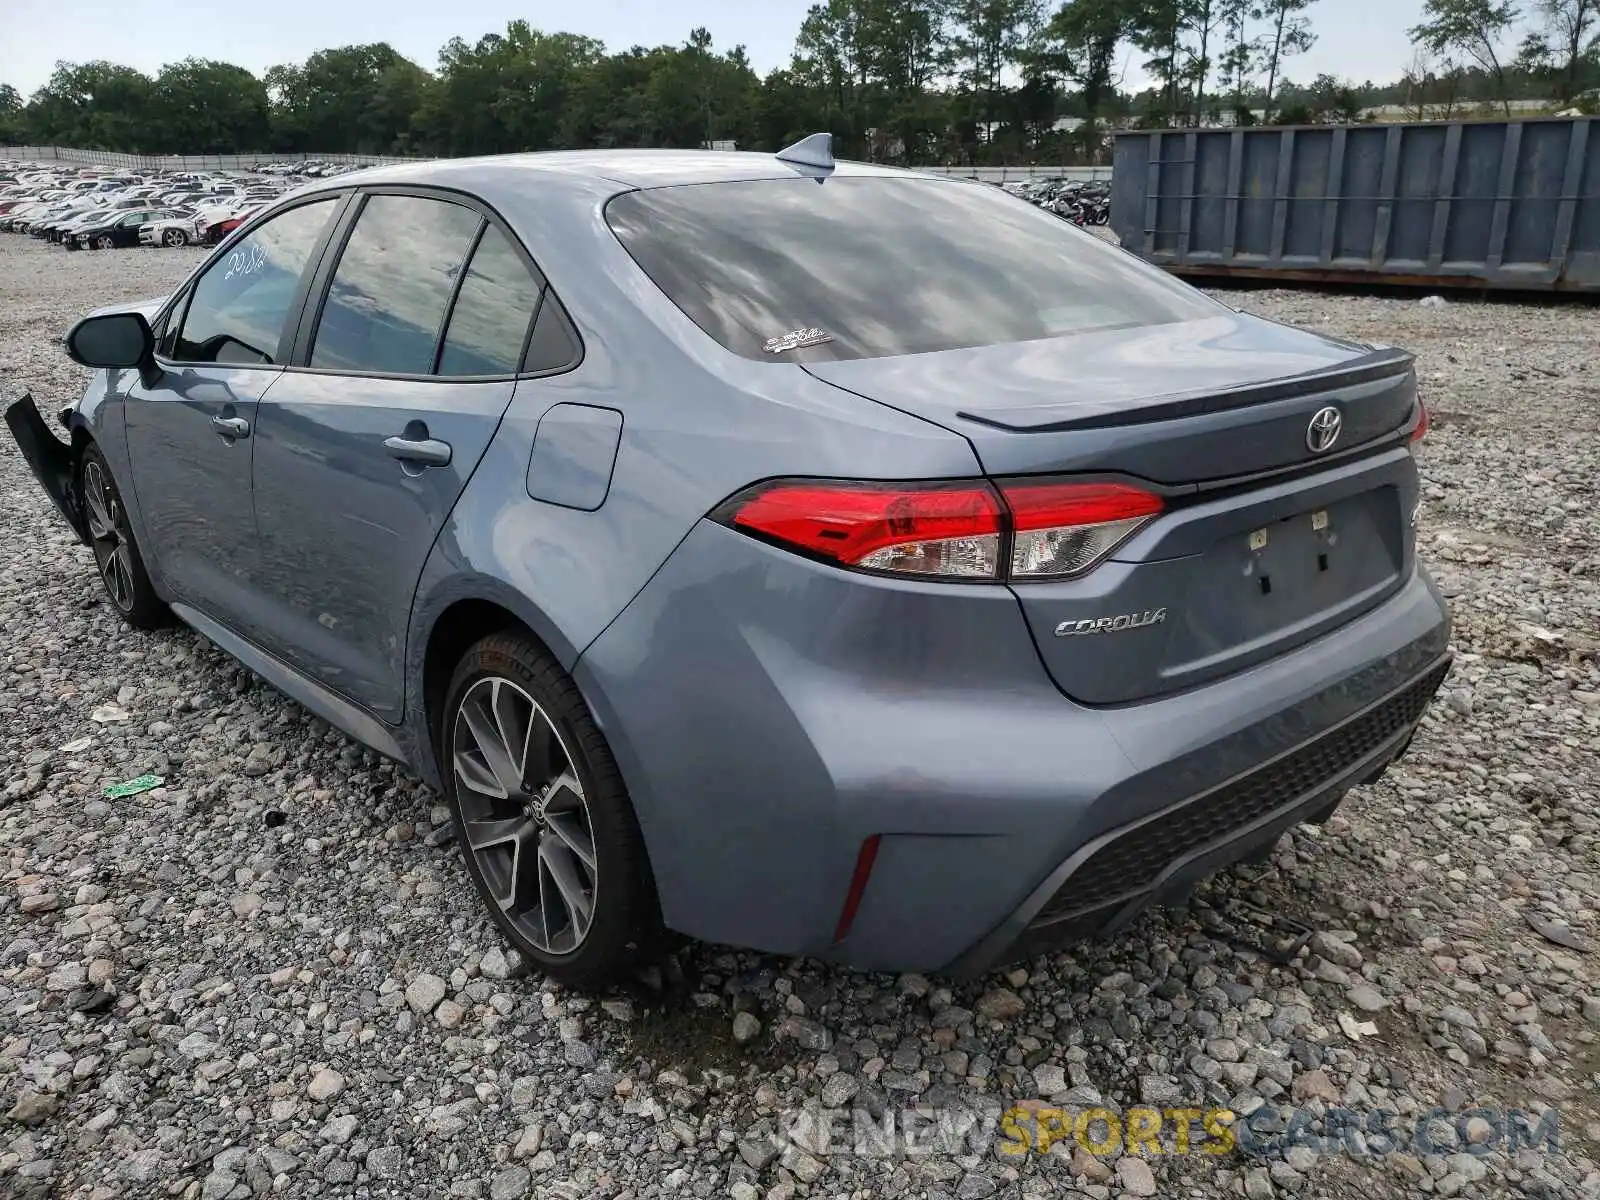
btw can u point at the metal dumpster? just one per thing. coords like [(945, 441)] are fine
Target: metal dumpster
[(1501, 204)]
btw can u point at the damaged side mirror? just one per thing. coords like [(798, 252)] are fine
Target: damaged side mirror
[(114, 341)]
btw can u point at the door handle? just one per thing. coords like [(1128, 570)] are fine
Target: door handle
[(427, 452), (233, 427)]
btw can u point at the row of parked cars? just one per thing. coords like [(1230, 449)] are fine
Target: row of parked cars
[(96, 208)]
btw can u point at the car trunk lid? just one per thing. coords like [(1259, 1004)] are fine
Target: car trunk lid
[(1268, 538)]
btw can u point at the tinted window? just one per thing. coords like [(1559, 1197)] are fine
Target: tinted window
[(240, 304), (489, 322), (883, 266), (553, 345), (389, 293)]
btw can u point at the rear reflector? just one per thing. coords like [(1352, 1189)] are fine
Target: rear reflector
[(858, 886), (1030, 529)]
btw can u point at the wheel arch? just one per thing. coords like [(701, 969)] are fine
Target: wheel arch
[(443, 629), (455, 628)]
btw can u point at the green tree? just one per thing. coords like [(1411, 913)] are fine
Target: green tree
[(1159, 31), (1079, 44), (203, 107), (1564, 48), (13, 120), (95, 105), (1242, 53), (986, 37), (352, 99), (1473, 28), (1290, 35), (523, 90)]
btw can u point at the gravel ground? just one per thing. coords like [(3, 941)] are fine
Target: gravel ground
[(270, 976)]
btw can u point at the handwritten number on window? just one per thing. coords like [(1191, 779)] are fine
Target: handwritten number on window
[(246, 261)]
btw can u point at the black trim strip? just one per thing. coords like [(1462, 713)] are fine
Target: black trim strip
[(455, 294), (1381, 364)]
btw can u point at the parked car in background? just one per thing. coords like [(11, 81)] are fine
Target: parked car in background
[(117, 229), (176, 227), (886, 571)]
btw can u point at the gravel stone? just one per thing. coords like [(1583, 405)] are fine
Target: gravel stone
[(1135, 1176), (424, 993), (510, 1183), (325, 1085)]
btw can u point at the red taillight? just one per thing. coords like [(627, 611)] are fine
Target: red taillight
[(1029, 529), (1064, 529), (948, 529), (1421, 430)]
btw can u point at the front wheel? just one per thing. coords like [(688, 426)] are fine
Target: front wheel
[(116, 554), (542, 816), (175, 237), (103, 242)]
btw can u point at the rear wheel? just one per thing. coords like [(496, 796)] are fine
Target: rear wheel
[(543, 819), (121, 567)]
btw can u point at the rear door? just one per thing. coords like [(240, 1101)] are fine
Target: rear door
[(190, 431), (402, 375)]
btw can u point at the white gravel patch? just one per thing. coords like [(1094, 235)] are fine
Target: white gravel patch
[(198, 999)]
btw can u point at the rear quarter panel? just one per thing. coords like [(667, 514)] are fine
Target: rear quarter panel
[(698, 425)]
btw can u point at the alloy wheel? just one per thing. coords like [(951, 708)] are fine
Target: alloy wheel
[(525, 816), (109, 534), (175, 237)]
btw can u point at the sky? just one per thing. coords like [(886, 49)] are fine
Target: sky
[(1358, 39)]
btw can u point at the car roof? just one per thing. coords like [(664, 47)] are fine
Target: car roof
[(626, 169)]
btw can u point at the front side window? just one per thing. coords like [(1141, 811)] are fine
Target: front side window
[(387, 301), (241, 303), (489, 322), (790, 270)]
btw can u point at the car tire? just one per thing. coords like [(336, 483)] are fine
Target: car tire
[(175, 238), (103, 242), (116, 553), (69, 243), (548, 833)]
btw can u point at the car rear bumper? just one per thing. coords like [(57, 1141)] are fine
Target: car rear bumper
[(771, 716), (51, 460)]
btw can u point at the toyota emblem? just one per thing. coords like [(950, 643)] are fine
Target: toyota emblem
[(1323, 431)]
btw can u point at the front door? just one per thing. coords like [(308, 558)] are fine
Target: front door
[(191, 431), (361, 455)]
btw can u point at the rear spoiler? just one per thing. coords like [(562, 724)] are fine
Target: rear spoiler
[(1367, 368)]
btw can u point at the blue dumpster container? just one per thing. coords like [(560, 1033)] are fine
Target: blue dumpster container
[(1499, 204)]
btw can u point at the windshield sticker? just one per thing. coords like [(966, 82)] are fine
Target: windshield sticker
[(797, 339)]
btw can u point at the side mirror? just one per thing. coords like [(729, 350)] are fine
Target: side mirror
[(116, 341)]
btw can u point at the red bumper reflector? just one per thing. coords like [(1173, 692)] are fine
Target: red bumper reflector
[(858, 885)]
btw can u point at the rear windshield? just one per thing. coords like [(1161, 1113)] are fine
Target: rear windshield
[(865, 266)]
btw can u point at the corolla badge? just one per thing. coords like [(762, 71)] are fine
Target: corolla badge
[(1116, 624), (1323, 431)]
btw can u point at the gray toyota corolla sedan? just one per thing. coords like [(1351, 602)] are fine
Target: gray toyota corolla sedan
[(793, 554)]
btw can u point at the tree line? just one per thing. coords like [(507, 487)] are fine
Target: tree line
[(914, 81)]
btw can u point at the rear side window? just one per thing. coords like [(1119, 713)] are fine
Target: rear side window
[(238, 308), (489, 322), (393, 283), (861, 267)]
